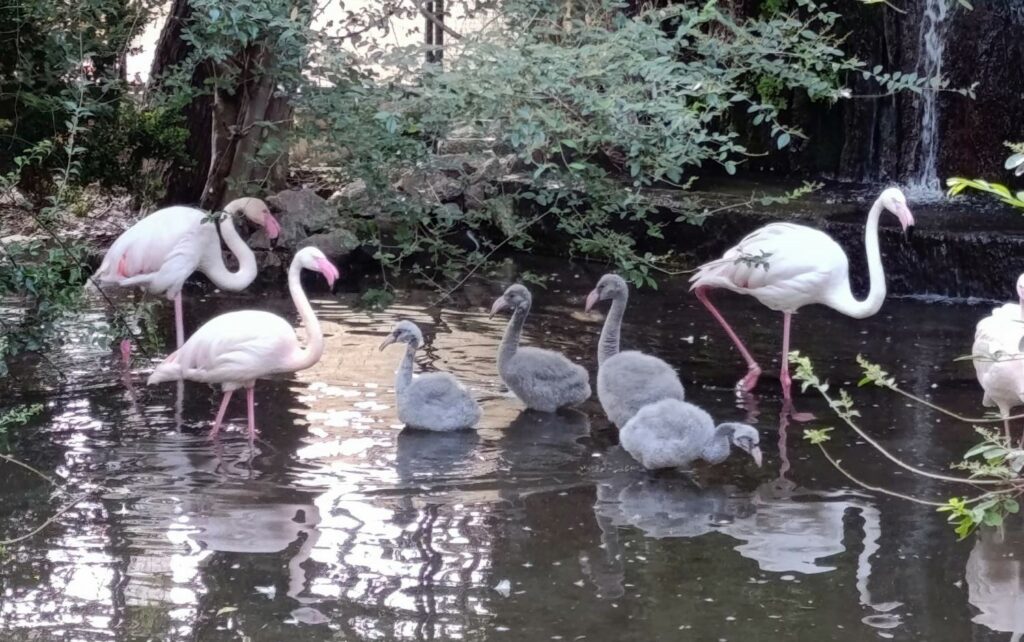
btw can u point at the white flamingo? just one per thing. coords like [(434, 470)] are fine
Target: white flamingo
[(162, 250), (237, 348), (998, 358), (787, 266)]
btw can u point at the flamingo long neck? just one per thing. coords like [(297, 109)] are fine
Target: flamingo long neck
[(403, 377), (314, 349), (717, 450), (843, 300), (510, 341), (214, 266), (608, 346)]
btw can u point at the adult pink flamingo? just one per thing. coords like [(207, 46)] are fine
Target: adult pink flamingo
[(237, 348), (998, 362), (787, 266), (162, 250)]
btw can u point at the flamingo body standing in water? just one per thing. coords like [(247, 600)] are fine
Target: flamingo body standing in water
[(162, 250), (787, 266), (998, 362), (237, 348)]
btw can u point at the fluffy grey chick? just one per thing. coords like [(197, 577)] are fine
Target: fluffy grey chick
[(673, 434), (544, 380), (433, 401), (627, 381)]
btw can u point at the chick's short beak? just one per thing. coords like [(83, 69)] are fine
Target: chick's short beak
[(755, 452), (499, 304), (386, 342), (591, 300)]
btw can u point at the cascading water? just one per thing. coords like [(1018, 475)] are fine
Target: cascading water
[(926, 184)]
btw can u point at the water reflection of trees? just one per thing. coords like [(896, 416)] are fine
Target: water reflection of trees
[(995, 581)]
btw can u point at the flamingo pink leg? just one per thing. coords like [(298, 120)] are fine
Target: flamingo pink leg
[(250, 394), (126, 351), (179, 320), (784, 377), (220, 414), (747, 383)]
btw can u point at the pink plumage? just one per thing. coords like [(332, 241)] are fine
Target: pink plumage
[(787, 266), (161, 251), (233, 350)]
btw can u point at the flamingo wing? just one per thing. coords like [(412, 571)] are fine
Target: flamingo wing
[(159, 252), (783, 265), (233, 349), (998, 363)]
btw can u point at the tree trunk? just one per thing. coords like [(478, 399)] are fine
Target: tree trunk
[(227, 129), (185, 184)]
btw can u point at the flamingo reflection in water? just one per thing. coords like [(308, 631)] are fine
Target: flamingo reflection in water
[(995, 581)]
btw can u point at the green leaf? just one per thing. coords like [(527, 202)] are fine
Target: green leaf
[(226, 609), (783, 140)]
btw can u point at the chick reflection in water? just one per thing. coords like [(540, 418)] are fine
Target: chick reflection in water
[(433, 401), (781, 527)]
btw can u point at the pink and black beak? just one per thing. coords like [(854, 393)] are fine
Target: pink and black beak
[(906, 219), (499, 304), (592, 300), (327, 268), (271, 225)]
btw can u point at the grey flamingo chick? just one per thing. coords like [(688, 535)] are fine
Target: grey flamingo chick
[(627, 381), (544, 380), (433, 401), (673, 434)]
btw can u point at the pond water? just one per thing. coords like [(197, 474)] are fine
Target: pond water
[(337, 525)]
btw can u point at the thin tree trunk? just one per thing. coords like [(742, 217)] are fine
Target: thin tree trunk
[(185, 184)]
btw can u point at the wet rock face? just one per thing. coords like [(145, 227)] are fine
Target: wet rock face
[(879, 139)]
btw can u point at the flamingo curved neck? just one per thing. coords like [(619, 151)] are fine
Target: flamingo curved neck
[(314, 349), (843, 299), (718, 448), (214, 267), (513, 332), (403, 377), (608, 346)]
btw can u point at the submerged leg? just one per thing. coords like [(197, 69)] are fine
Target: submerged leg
[(250, 394), (179, 321), (220, 414), (747, 383)]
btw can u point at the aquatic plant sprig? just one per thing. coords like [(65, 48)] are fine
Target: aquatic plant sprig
[(843, 407), (875, 375), (994, 462)]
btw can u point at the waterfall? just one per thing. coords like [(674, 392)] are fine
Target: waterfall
[(933, 41)]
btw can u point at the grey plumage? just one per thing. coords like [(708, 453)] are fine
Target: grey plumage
[(544, 380), (674, 434), (433, 401), (627, 381)]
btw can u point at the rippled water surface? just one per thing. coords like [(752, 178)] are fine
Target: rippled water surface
[(338, 525)]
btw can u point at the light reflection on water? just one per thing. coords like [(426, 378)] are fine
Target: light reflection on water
[(340, 523)]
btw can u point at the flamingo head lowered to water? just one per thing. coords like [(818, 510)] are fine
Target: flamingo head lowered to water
[(895, 202), (610, 286), (258, 213), (515, 295)]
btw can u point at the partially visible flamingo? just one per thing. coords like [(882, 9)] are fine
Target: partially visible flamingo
[(787, 266), (162, 250), (237, 348), (998, 358)]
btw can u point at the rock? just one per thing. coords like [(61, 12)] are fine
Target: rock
[(301, 213), (15, 198), (353, 192), (434, 186), (467, 139), (334, 244)]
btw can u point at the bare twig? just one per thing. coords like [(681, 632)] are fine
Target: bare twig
[(432, 17)]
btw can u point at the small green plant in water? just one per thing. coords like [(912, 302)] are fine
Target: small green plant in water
[(967, 517)]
